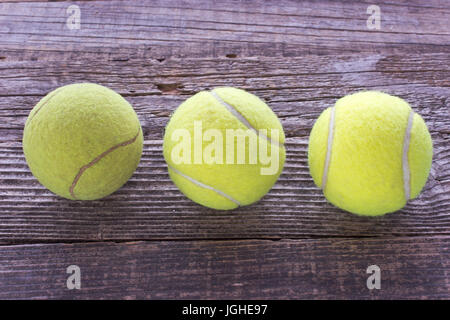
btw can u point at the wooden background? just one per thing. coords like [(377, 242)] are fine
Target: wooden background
[(147, 240)]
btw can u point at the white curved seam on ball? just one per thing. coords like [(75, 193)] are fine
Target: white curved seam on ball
[(405, 160), (244, 121), (205, 186), (49, 97), (329, 147)]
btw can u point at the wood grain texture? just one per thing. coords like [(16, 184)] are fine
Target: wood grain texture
[(150, 207), (254, 269), (300, 57), (161, 29)]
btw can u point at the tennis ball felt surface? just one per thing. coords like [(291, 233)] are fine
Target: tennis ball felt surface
[(82, 141), (224, 185), (379, 153)]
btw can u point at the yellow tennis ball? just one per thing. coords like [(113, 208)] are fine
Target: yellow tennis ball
[(224, 148), (370, 153), (82, 141)]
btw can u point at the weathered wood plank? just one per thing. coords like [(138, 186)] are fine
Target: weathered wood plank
[(150, 206), (297, 88), (160, 29), (257, 269)]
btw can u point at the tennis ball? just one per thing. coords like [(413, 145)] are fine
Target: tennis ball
[(82, 141), (370, 153), (224, 148)]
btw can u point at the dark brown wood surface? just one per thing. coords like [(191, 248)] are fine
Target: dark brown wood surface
[(147, 240), (223, 269)]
